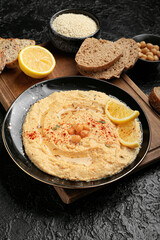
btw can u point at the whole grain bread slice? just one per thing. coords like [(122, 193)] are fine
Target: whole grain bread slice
[(131, 51), (154, 98), (97, 55), (126, 61), (11, 50), (2, 60), (22, 43)]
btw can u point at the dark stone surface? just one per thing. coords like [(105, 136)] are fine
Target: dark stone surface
[(128, 209)]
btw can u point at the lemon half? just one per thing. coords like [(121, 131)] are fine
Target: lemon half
[(36, 61)]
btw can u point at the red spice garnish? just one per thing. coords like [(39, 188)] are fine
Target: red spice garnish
[(31, 135)]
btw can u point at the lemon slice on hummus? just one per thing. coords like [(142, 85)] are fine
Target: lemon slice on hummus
[(119, 113), (128, 134), (36, 61)]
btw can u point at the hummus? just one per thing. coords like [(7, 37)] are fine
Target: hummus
[(68, 135)]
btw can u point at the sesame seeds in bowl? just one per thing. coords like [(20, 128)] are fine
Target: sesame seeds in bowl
[(70, 27), (74, 25)]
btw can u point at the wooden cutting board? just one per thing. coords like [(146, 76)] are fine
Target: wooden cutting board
[(13, 82)]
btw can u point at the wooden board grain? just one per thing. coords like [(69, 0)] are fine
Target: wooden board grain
[(13, 82)]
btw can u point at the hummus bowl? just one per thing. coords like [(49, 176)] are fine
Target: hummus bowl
[(12, 132)]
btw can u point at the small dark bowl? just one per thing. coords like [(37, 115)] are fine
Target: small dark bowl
[(69, 44), (148, 38)]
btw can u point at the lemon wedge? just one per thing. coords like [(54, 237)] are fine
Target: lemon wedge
[(36, 61), (119, 113), (128, 134)]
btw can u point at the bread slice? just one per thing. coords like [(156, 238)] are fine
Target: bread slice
[(114, 71), (126, 61), (97, 55), (11, 50), (22, 43), (131, 51), (154, 99), (2, 60)]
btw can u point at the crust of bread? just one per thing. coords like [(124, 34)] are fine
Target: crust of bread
[(97, 55), (2, 60), (105, 75), (154, 99)]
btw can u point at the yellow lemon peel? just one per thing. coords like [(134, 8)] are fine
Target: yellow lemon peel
[(36, 61), (119, 113)]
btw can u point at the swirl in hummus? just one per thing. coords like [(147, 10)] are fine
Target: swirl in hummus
[(68, 135)]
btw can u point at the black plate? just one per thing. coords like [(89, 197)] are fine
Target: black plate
[(12, 126)]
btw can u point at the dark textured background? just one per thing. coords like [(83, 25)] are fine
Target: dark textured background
[(128, 209)]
